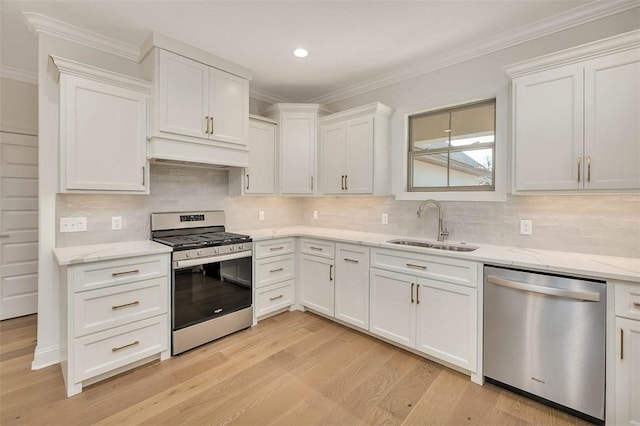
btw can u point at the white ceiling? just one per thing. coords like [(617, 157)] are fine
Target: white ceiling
[(351, 43)]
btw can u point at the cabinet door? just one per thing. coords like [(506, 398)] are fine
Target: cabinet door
[(332, 151), (316, 279), (392, 306), (359, 156), (260, 177), (183, 96), (102, 136), (548, 119), (627, 372), (298, 145), (447, 322), (352, 285), (228, 107), (612, 130)]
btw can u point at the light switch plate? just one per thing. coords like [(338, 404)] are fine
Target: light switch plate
[(385, 218), (116, 223), (73, 224), (526, 227)]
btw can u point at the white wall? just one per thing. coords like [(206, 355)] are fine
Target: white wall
[(18, 107)]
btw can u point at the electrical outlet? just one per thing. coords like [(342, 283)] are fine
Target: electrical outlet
[(526, 227), (385, 218), (73, 224), (116, 223), (315, 214), (260, 215)]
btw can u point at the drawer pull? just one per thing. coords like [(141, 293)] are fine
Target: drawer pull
[(276, 270), (412, 265), (636, 304), (275, 248), (119, 274), (315, 248), (276, 298), (136, 342), (126, 305), (351, 260)]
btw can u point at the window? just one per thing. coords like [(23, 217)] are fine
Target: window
[(453, 149)]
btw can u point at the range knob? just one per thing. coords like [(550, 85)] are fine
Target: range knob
[(198, 253), (187, 254), (216, 250), (231, 248)]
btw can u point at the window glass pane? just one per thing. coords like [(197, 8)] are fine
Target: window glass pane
[(430, 170), (469, 124), (471, 168), (429, 132)]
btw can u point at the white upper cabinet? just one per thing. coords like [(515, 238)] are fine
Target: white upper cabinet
[(197, 100), (575, 118), (103, 123), (354, 147), (297, 139)]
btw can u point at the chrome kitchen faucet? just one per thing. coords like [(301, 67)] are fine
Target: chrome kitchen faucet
[(442, 231)]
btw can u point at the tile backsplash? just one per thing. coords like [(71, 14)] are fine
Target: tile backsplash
[(598, 224)]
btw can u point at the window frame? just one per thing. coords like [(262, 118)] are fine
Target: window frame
[(411, 154)]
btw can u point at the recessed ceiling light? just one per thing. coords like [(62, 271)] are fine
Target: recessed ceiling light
[(300, 52)]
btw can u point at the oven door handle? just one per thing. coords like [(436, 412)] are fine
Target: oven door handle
[(211, 259)]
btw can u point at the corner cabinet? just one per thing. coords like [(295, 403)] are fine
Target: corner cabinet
[(103, 129), (260, 176), (575, 118), (200, 111), (297, 140), (354, 151)]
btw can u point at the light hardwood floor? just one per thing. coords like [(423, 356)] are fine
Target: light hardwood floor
[(292, 369)]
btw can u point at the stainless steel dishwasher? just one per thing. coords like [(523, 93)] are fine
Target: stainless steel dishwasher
[(545, 335)]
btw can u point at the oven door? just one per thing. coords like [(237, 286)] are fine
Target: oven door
[(212, 287)]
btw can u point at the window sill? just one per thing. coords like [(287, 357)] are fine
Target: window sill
[(452, 196)]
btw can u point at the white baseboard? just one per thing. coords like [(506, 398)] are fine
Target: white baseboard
[(45, 357)]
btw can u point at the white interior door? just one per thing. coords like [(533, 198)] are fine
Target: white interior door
[(18, 225)]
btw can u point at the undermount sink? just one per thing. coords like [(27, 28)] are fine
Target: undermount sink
[(438, 246)]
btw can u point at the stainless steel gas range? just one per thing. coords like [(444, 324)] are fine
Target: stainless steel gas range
[(211, 286)]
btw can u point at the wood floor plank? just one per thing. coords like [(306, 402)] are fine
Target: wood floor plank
[(296, 368)]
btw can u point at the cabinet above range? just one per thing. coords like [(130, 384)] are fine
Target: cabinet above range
[(200, 105)]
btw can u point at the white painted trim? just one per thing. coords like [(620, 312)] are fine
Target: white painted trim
[(39, 23), (18, 74), (263, 95), (590, 12), (45, 357), (607, 46), (369, 109)]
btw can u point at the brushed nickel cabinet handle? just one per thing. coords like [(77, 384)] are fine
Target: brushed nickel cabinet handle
[(312, 183), (417, 294), (588, 169), (330, 272), (118, 274), (579, 167), (275, 248), (412, 285), (212, 131), (276, 270), (143, 176), (315, 248), (206, 125), (621, 344), (126, 305), (135, 342), (351, 260), (412, 265), (276, 298), (247, 187)]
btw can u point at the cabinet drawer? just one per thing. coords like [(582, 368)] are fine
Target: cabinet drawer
[(99, 353), (317, 248), (89, 276), (109, 307), (438, 268), (274, 269), (274, 297), (274, 247), (628, 301)]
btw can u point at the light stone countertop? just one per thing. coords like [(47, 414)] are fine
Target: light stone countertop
[(580, 264), (94, 253)]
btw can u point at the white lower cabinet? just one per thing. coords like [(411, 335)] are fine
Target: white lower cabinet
[(627, 360), (424, 306), (352, 285), (274, 275), (113, 317), (316, 283)]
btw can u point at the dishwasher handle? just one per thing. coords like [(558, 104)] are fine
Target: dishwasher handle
[(549, 291)]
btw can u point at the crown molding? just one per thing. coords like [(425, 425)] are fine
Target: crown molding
[(39, 23), (263, 95), (18, 74), (578, 16)]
